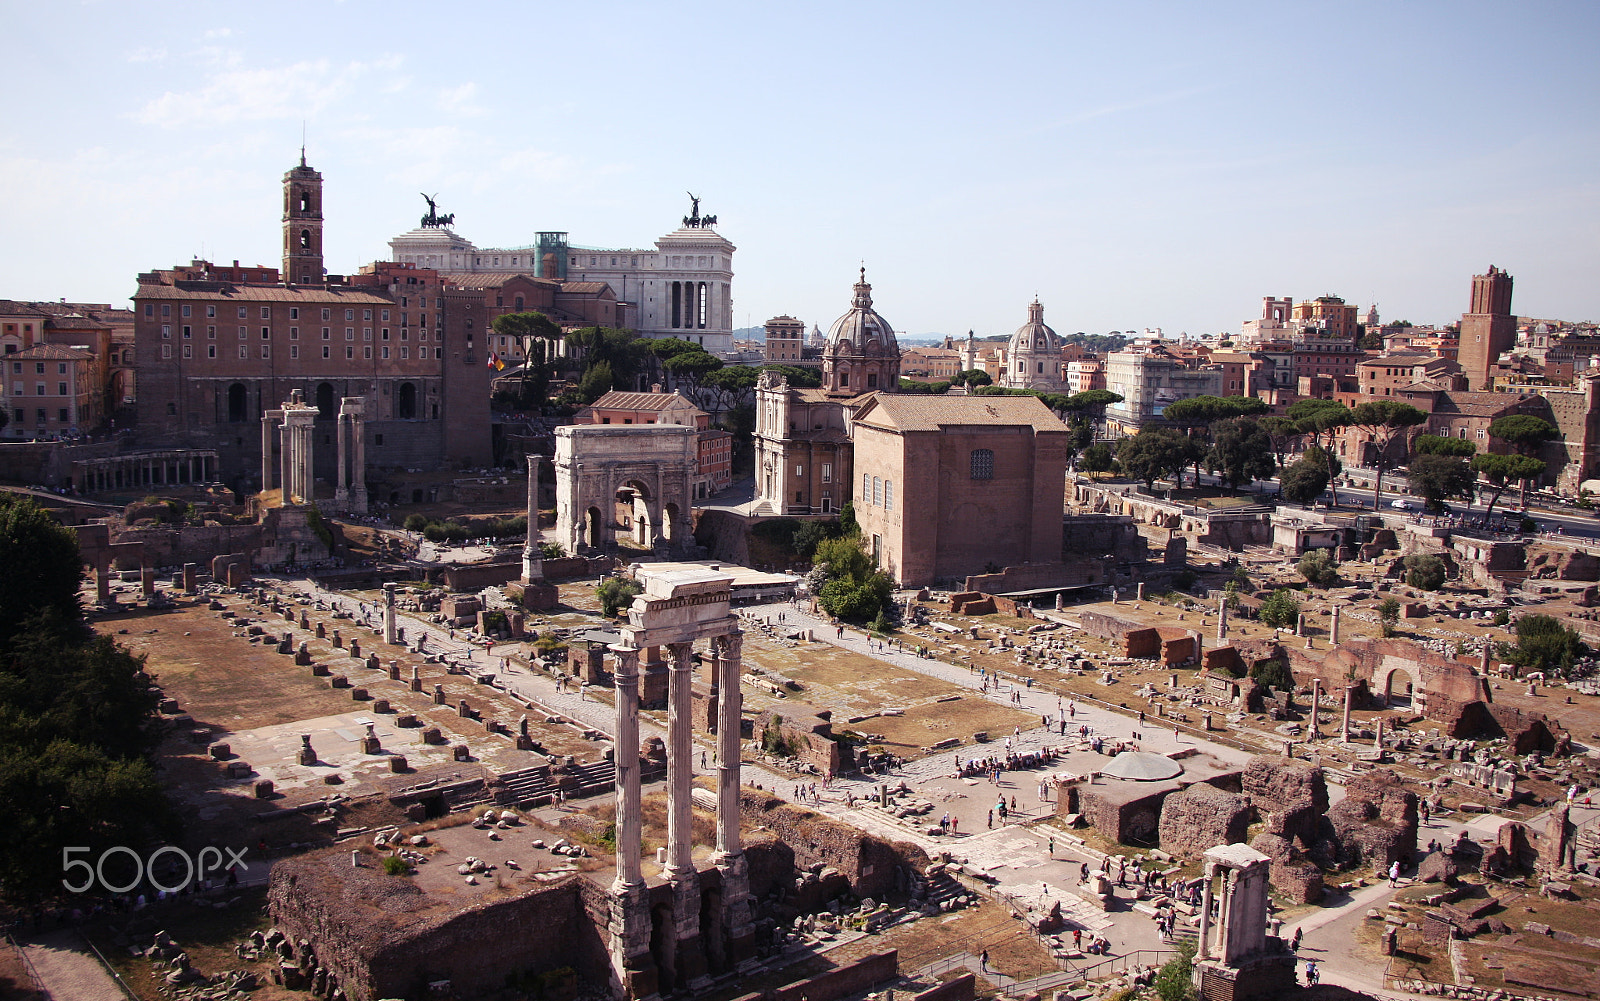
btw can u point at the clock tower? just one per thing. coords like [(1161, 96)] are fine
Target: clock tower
[(302, 225)]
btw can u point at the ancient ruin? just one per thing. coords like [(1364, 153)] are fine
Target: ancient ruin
[(633, 479)]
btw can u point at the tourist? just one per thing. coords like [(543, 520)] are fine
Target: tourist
[(983, 961), (991, 820), (1294, 943), (1394, 873), (1311, 973)]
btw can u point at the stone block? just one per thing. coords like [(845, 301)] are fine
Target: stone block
[(263, 789), (460, 752), (220, 751), (397, 764), (359, 694), (432, 735)]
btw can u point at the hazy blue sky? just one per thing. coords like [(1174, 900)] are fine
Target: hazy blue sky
[(1135, 164)]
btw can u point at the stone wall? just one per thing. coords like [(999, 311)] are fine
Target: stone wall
[(857, 978), (1201, 817), (1291, 796), (868, 862), (1377, 820), (477, 576), (383, 937), (1126, 812), (1446, 689), (172, 547), (1291, 874)]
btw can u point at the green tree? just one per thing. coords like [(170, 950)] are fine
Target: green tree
[(1273, 673), (1317, 567), (537, 335), (1321, 421), (812, 534), (1280, 609), (730, 387), (1097, 458), (1526, 434), (1385, 421), (1388, 615), (1303, 482), (42, 569), (691, 369), (1439, 477), (1500, 470), (1175, 980), (596, 382), (854, 589), (1199, 413), (972, 377), (1543, 644), (1425, 571), (1431, 444), (616, 593), (1240, 451), (799, 378), (1152, 454)]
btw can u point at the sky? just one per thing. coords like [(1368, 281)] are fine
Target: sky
[(1135, 165)]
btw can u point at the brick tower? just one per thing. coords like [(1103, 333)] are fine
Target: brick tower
[(1487, 328), (302, 225)]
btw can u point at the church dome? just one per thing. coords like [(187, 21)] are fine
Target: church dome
[(1034, 335), (862, 331), (861, 354)]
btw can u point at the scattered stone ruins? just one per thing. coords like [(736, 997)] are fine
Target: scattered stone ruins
[(677, 608)]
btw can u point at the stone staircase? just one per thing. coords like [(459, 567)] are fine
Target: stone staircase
[(529, 785)]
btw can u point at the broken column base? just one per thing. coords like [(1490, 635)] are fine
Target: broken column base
[(1257, 977), (633, 968)]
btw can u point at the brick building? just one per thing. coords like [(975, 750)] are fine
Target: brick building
[(215, 347), (945, 486), (1488, 328), (53, 391), (785, 336)]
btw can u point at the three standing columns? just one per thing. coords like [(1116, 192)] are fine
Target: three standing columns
[(684, 961)]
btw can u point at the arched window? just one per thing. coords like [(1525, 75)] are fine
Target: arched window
[(866, 488), (888, 495), (305, 201), (982, 464), (407, 408), (877, 492), (305, 239), (325, 402), (238, 400)]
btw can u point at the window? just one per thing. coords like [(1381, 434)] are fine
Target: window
[(349, 351), (326, 314), (294, 333), (799, 470), (185, 309), (211, 333), (243, 312), (211, 350), (349, 314), (243, 333), (366, 314), (405, 352), (38, 387), (266, 333), (244, 351), (385, 354), (827, 472), (294, 312), (866, 489), (888, 495), (325, 352), (166, 311), (877, 492), (325, 334), (188, 351), (349, 333), (211, 311), (982, 464), (62, 415), (61, 368), (166, 351), (438, 352), (294, 351), (149, 310), (1482, 434), (366, 352), (166, 330)]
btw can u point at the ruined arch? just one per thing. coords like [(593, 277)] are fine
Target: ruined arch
[(638, 472)]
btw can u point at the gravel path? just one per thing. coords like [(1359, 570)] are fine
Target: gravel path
[(69, 971)]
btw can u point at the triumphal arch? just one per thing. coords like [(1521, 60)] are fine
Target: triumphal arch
[(657, 941), (624, 480)]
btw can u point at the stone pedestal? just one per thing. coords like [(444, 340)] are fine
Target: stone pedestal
[(190, 571), (389, 634), (633, 969)]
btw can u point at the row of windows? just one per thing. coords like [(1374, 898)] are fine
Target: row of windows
[(827, 471), (294, 312), (63, 416), (294, 351), (21, 389), (877, 492), (38, 368), (294, 333)]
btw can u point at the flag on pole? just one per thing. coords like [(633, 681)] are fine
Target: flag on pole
[(495, 362)]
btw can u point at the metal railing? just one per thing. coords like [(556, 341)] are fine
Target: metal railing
[(27, 964), (111, 971)]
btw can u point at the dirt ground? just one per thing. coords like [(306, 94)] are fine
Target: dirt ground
[(16, 984), (206, 933), (851, 684)]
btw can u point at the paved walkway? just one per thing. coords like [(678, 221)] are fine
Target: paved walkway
[(69, 971)]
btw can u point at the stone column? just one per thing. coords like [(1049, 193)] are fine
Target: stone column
[(1222, 618), (632, 966), (1300, 624), (1377, 739), (738, 930), (681, 875), (1203, 945), (358, 470), (307, 475), (1333, 626), (1349, 697), (1483, 666), (266, 452), (1316, 700), (341, 493), (532, 560), (389, 633)]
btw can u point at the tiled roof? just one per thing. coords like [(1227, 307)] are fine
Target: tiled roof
[(584, 288), (930, 413), (50, 352), (11, 307), (480, 280), (265, 293), (618, 400), (1476, 404), (75, 323)]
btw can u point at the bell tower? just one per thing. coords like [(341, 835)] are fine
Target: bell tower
[(302, 225)]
